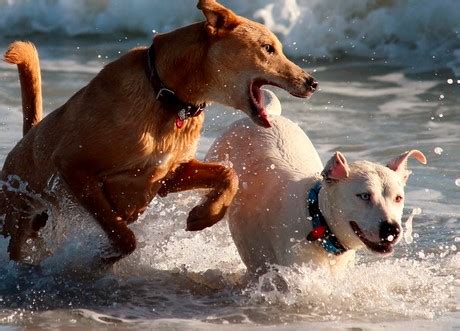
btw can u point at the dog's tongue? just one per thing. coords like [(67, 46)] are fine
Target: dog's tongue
[(263, 118)]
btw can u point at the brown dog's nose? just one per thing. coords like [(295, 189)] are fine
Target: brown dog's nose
[(389, 231), (312, 83)]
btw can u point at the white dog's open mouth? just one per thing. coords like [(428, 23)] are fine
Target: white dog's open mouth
[(381, 247), (257, 100)]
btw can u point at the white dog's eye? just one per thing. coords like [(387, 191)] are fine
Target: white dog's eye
[(269, 48), (398, 198), (364, 196)]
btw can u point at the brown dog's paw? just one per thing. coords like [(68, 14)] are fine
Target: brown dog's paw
[(202, 217)]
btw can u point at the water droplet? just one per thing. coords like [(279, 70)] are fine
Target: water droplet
[(272, 166), (450, 81), (417, 211), (441, 96), (457, 182), (408, 233), (438, 150)]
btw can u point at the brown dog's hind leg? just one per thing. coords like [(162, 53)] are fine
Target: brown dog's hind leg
[(16, 228), (17, 240), (195, 174)]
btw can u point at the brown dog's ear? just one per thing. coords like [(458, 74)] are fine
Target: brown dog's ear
[(399, 164), (218, 18), (336, 168)]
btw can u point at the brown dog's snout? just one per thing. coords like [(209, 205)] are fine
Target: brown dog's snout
[(389, 231), (311, 83)]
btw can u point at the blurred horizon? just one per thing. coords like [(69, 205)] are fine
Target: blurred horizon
[(398, 31)]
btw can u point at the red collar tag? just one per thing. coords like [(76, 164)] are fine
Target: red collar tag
[(179, 122), (316, 233)]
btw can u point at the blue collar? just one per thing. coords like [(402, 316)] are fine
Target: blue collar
[(321, 231)]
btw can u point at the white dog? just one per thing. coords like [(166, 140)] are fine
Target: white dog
[(289, 209)]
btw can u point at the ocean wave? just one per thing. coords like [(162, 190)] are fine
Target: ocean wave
[(391, 29)]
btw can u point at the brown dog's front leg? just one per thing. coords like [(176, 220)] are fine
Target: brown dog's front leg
[(195, 174), (88, 191)]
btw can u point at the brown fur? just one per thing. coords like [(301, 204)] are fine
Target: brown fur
[(25, 56), (115, 146)]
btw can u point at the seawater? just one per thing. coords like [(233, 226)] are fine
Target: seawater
[(392, 29), (370, 106)]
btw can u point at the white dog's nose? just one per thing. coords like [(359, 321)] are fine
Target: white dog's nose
[(272, 103), (389, 230)]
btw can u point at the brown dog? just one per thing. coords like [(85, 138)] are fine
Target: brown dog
[(126, 136)]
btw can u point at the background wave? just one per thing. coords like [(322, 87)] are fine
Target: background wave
[(423, 30)]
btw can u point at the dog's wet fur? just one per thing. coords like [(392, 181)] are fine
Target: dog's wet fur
[(115, 146), (362, 202)]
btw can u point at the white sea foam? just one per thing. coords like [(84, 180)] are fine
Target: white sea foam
[(170, 260), (425, 29)]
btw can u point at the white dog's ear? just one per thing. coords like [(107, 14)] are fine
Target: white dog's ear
[(218, 18), (336, 168), (399, 164)]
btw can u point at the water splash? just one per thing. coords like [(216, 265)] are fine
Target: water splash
[(408, 238), (202, 272), (390, 288)]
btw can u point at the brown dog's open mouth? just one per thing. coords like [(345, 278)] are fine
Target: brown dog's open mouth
[(383, 247), (257, 100)]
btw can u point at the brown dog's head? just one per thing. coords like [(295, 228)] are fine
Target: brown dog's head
[(241, 57)]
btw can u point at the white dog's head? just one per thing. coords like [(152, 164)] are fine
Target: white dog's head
[(363, 202)]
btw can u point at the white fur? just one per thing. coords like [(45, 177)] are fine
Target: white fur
[(272, 103), (277, 167)]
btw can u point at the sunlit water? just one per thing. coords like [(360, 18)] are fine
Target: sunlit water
[(366, 108)]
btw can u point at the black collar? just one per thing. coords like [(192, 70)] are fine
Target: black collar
[(167, 97), (321, 231)]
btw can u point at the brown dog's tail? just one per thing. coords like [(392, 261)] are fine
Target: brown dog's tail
[(25, 55)]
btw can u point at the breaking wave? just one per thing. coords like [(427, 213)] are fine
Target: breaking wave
[(426, 30)]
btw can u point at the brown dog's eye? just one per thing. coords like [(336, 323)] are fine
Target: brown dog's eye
[(269, 48), (398, 198)]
